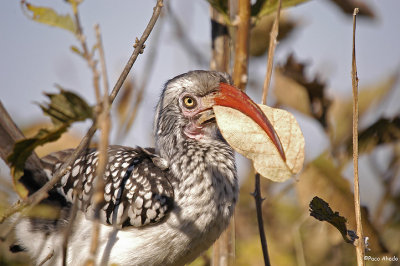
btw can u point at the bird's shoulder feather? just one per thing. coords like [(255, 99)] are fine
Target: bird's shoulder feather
[(137, 191)]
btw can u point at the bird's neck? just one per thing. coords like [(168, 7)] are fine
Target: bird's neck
[(204, 167)]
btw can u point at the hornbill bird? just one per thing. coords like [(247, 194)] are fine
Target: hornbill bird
[(162, 205)]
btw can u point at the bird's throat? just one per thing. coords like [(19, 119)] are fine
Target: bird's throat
[(194, 131)]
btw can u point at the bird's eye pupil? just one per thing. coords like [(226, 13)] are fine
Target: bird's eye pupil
[(189, 102)]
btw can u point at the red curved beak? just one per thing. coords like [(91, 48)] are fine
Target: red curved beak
[(229, 96)]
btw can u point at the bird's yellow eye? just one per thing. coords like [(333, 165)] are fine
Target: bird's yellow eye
[(189, 102)]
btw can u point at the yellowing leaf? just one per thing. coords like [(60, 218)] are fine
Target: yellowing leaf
[(248, 139), (50, 17)]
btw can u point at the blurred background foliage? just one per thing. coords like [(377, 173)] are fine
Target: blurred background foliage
[(294, 237)]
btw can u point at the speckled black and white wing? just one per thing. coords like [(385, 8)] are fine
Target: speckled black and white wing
[(137, 191)]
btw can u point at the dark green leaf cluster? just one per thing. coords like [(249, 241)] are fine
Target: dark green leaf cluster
[(63, 109)]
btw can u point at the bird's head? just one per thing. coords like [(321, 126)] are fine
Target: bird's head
[(185, 110)]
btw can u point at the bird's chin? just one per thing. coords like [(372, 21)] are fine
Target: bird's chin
[(200, 132)]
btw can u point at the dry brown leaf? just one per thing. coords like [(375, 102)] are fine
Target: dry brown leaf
[(290, 93), (324, 179), (340, 113), (248, 139)]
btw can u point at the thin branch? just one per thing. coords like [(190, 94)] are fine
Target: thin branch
[(72, 216), (105, 125), (271, 52), (86, 54), (47, 258), (259, 200), (145, 77), (102, 59), (240, 75), (360, 243), (138, 49), (257, 191), (42, 192)]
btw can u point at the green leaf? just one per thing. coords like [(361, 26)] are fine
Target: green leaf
[(222, 7), (24, 148), (50, 17), (264, 7), (64, 109), (76, 50), (320, 210)]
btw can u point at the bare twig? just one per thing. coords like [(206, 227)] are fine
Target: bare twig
[(42, 192), (47, 258), (257, 191), (102, 59), (104, 125), (360, 242), (139, 49), (271, 52), (259, 200), (86, 54), (145, 77), (240, 75), (72, 216)]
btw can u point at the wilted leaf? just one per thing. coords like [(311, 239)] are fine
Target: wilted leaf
[(320, 210), (340, 113), (322, 176), (222, 7), (381, 132), (292, 83), (64, 109), (266, 7), (347, 6), (76, 50), (291, 93), (50, 17), (24, 148), (259, 34), (247, 138)]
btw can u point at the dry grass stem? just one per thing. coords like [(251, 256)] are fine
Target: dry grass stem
[(360, 243), (68, 229), (104, 126), (271, 52)]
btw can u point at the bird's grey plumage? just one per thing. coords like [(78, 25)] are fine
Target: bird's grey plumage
[(161, 207)]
